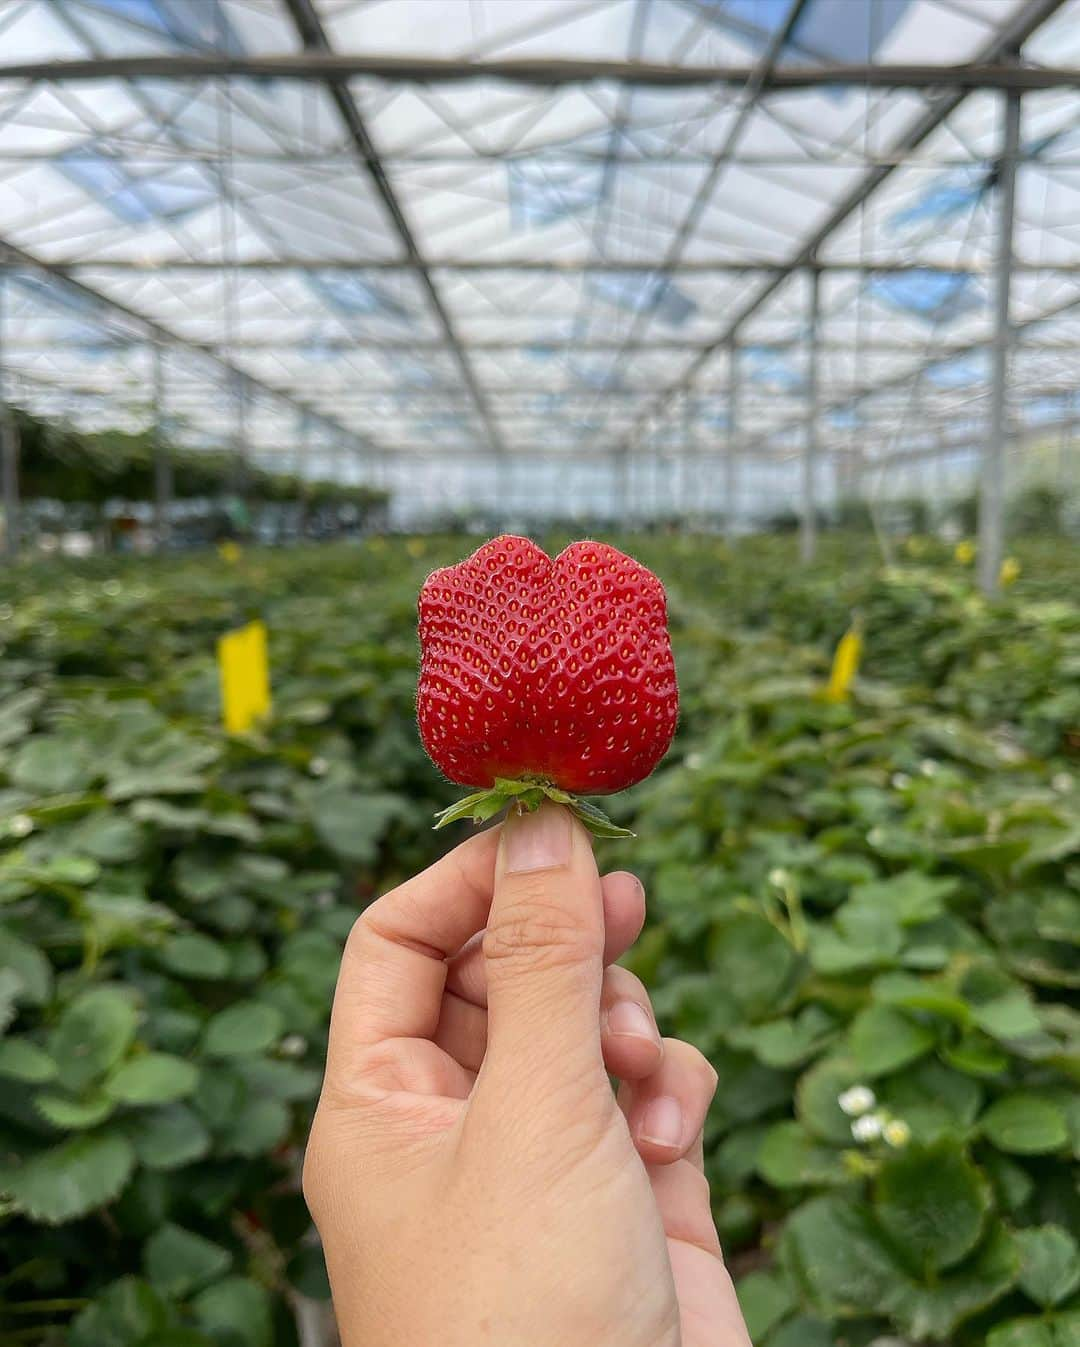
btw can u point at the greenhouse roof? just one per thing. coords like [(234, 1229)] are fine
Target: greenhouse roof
[(536, 227)]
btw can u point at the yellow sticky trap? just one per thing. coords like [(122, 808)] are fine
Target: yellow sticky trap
[(1010, 572), (845, 664), (244, 668), (229, 551)]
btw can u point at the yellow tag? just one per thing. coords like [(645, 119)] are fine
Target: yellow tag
[(965, 552), (845, 665), (245, 677), (229, 551), (1010, 571)]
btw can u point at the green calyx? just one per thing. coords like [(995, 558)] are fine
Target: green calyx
[(525, 796)]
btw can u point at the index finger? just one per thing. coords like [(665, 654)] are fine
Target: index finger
[(393, 968)]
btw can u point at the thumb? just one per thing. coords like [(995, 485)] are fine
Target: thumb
[(543, 951)]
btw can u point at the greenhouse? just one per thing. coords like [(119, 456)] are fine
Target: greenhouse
[(303, 300)]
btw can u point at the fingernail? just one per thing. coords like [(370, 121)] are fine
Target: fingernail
[(662, 1122), (627, 1017), (537, 841)]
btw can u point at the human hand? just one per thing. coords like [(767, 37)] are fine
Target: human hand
[(471, 1174)]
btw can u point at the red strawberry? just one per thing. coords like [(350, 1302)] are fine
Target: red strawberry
[(540, 673)]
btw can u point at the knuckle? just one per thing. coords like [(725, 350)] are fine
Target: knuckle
[(537, 933), (620, 984), (357, 937), (312, 1184), (693, 1062)]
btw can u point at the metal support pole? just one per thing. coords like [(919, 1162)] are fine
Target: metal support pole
[(620, 487), (9, 449), (731, 454), (808, 520), (503, 488), (992, 468), (163, 476), (1068, 414)]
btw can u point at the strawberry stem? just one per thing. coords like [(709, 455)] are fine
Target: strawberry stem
[(525, 795)]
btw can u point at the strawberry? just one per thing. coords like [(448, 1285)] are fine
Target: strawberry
[(541, 677)]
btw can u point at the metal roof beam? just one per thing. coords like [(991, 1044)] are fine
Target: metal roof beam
[(1008, 39), (321, 64), (312, 35), (14, 257), (914, 373), (553, 265)]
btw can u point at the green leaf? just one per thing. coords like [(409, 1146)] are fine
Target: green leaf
[(883, 1039), (92, 1035), (287, 1081), (247, 1027), (179, 1261), (817, 1095), (838, 1259), (167, 1138), (934, 1311), (765, 1299), (108, 836), (30, 967), (932, 1100), (67, 1181), (1054, 1331), (153, 1078), (191, 954), (128, 1313), (1049, 1264), (907, 992), (790, 1158), (236, 1312), (259, 1126), (976, 1056), (789, 1042), (1007, 1017), (864, 937), (477, 807), (352, 824), (752, 961), (22, 1060), (74, 1114), (932, 1202), (51, 764), (803, 1332), (595, 820), (912, 895), (1025, 1124)]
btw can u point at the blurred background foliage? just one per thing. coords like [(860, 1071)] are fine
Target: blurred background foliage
[(866, 912)]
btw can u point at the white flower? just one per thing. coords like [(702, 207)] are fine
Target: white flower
[(858, 1100), (694, 761), (1062, 782), (20, 825), (900, 780), (293, 1045), (897, 1133), (928, 767), (318, 766), (779, 878), (866, 1128)]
